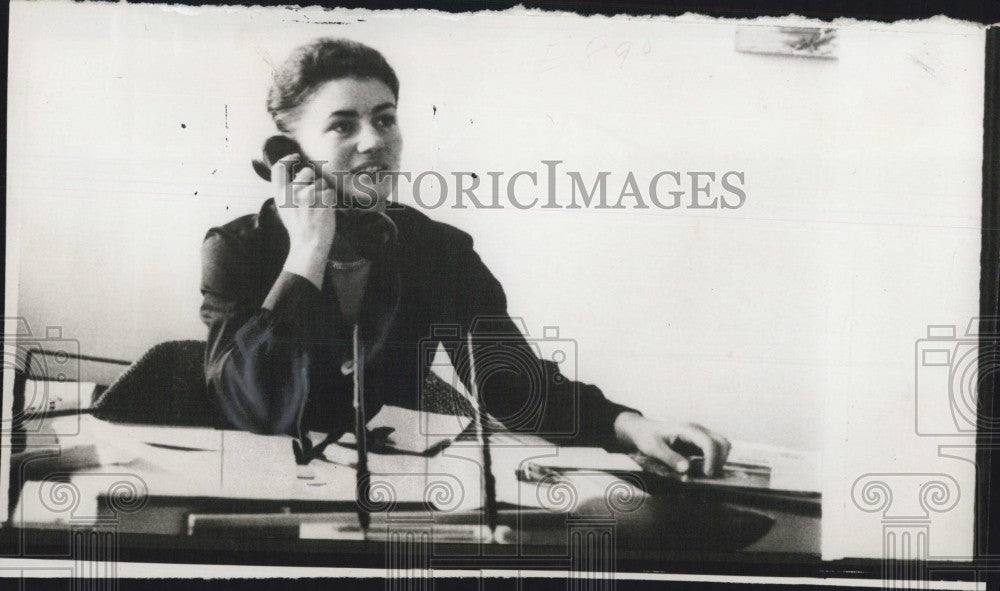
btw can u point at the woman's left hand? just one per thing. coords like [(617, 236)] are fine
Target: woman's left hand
[(664, 441)]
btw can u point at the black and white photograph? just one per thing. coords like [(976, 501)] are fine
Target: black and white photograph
[(500, 294)]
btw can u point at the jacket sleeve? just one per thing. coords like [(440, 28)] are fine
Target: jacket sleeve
[(520, 384), (259, 352)]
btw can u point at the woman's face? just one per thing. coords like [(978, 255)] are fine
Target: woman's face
[(350, 124)]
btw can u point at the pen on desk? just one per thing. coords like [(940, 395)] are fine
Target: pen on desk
[(363, 477), (697, 462), (532, 472), (489, 481)]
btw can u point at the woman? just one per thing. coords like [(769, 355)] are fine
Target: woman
[(287, 290)]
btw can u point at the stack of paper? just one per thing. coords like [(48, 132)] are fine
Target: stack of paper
[(205, 462), (53, 396)]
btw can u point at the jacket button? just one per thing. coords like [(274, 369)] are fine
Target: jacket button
[(347, 368)]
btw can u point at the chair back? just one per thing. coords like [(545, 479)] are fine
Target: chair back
[(166, 386)]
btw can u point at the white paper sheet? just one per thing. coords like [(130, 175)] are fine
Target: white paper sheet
[(417, 431)]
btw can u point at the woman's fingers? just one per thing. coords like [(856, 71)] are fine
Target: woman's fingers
[(283, 188), (671, 442), (279, 170), (713, 446), (305, 189), (668, 456)]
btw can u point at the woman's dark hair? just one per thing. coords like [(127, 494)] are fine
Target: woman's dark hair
[(315, 64)]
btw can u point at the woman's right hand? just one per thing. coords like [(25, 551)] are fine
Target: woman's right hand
[(311, 229)]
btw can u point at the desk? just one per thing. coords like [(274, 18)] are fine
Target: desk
[(148, 502)]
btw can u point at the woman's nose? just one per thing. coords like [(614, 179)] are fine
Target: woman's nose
[(370, 138)]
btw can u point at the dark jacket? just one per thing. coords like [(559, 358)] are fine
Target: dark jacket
[(277, 346)]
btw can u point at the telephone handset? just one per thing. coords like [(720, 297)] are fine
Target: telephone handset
[(370, 232)]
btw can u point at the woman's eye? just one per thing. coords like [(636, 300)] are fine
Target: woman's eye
[(343, 127), (386, 121)]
